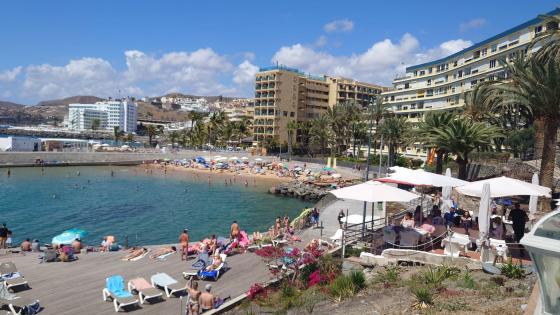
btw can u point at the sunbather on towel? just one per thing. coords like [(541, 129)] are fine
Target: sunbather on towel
[(163, 251), (216, 262), (135, 252)]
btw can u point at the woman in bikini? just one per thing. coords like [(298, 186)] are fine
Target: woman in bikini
[(193, 306)]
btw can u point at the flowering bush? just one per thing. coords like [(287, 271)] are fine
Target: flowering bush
[(256, 290), (314, 278)]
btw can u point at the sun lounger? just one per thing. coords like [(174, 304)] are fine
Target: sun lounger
[(169, 285), (19, 306), (337, 237), (144, 289), (114, 290), (11, 276), (215, 273)]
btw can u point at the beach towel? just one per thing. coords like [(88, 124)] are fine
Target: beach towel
[(164, 256), (10, 276), (243, 239), (140, 284), (115, 285), (202, 261)]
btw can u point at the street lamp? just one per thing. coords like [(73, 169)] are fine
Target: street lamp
[(543, 244), (367, 164)]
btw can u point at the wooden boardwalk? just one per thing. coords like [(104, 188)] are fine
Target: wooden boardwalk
[(75, 287)]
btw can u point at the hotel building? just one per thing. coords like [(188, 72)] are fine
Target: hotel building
[(283, 94), (441, 84), (110, 114)]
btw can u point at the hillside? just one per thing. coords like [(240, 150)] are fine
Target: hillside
[(44, 111)]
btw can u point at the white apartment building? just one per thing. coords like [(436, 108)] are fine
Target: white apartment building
[(122, 114), (441, 84)]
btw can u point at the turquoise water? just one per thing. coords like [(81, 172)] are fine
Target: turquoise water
[(148, 208)]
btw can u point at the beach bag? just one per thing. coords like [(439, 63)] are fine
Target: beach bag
[(32, 309)]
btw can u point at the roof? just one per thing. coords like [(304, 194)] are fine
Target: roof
[(482, 43)]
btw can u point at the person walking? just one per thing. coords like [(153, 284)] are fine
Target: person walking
[(518, 218)]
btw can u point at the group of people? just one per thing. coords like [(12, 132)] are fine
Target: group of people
[(281, 227), (458, 217), (201, 301)]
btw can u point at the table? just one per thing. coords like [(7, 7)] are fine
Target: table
[(455, 244)]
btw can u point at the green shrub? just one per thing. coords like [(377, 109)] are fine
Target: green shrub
[(342, 287), (512, 270), (467, 280), (307, 270), (423, 297), (358, 279), (329, 266), (352, 252), (390, 275), (435, 276)]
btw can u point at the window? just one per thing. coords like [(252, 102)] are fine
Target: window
[(460, 75), (407, 85), (493, 63), (422, 72), (538, 29), (494, 48), (484, 51), (292, 114), (285, 114), (415, 73), (429, 82), (455, 63)]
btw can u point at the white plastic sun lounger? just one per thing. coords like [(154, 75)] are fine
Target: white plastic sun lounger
[(13, 276), (144, 289), (116, 292), (169, 285)]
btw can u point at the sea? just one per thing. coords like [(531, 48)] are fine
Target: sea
[(134, 205)]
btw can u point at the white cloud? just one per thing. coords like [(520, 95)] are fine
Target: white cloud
[(201, 71), (321, 41), (474, 23), (245, 73), (344, 25), (10, 75), (378, 64)]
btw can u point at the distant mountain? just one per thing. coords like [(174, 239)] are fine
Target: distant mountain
[(84, 99), (4, 105)]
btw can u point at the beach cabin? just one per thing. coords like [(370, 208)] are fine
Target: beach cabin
[(20, 144)]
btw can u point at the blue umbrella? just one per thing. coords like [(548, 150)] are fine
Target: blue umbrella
[(68, 236)]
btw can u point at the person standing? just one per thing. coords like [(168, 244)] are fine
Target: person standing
[(340, 216), (184, 241), (518, 218), (3, 235)]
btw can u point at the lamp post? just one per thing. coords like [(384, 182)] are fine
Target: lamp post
[(367, 166)]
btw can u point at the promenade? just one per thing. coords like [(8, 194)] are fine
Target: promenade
[(75, 287)]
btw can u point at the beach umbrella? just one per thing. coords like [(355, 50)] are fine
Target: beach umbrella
[(504, 187), (244, 158), (410, 177), (258, 159), (356, 219), (68, 236), (484, 211), (446, 193), (374, 191), (233, 158), (534, 199)]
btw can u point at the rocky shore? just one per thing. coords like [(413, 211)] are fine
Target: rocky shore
[(300, 189)]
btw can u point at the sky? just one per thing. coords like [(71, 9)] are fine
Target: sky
[(55, 49)]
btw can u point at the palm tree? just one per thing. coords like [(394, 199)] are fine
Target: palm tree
[(129, 137), (395, 131), (427, 132), (174, 137), (320, 132), (215, 124), (95, 123), (461, 137), (291, 127), (533, 82), (152, 131), (117, 134), (479, 102)]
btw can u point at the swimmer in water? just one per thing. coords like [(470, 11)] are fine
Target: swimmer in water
[(78, 173), (112, 173), (53, 196), (225, 181), (9, 172), (246, 183)]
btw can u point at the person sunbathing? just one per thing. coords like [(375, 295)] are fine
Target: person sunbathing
[(135, 252), (213, 245), (163, 251), (216, 262)]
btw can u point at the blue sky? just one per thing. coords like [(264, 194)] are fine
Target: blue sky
[(54, 49)]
